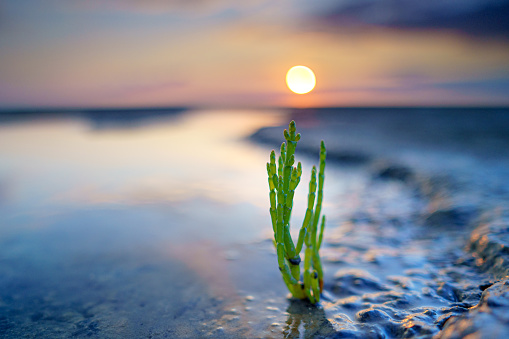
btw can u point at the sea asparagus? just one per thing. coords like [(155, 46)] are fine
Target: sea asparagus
[(283, 180)]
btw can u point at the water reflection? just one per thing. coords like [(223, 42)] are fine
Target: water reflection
[(50, 165), (116, 229), (306, 321), (96, 118)]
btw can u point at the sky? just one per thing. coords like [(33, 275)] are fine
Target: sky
[(218, 53)]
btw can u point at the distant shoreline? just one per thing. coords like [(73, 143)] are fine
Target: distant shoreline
[(106, 110)]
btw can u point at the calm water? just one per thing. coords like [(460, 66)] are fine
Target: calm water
[(193, 166), (89, 210), (158, 226)]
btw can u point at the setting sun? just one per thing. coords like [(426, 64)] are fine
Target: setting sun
[(300, 79)]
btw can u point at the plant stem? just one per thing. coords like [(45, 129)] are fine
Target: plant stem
[(283, 180)]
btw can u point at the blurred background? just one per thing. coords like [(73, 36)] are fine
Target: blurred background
[(223, 53), (134, 137)]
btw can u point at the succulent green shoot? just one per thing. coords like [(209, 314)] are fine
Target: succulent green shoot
[(320, 236), (283, 179)]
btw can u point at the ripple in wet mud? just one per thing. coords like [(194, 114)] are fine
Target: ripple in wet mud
[(415, 256), (489, 243)]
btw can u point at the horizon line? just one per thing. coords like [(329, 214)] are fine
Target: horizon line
[(106, 109)]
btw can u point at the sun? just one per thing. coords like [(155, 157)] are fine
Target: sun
[(300, 79)]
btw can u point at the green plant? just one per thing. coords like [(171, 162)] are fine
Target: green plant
[(283, 180)]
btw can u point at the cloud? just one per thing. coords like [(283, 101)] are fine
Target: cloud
[(477, 18), (163, 7), (497, 86)]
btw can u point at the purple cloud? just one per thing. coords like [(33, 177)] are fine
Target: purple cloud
[(476, 18)]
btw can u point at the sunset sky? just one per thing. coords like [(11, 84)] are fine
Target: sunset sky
[(218, 53)]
